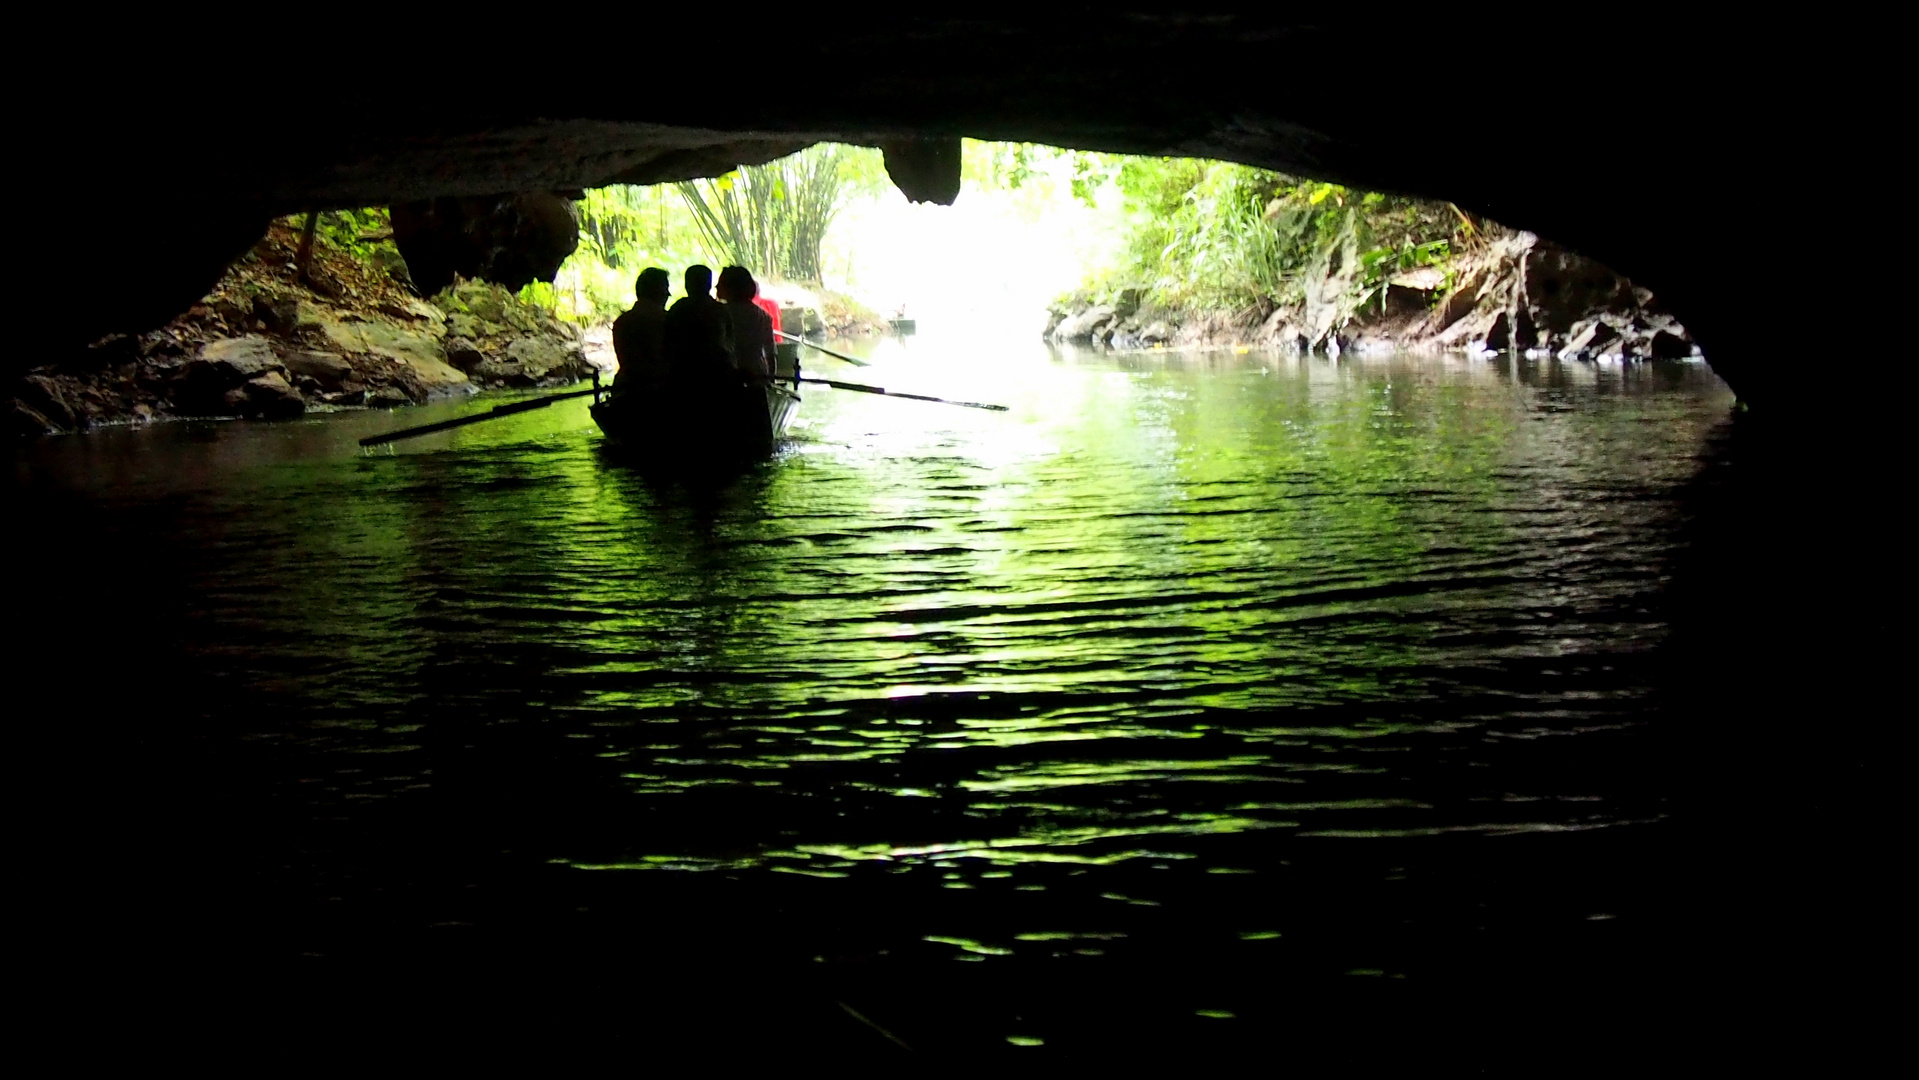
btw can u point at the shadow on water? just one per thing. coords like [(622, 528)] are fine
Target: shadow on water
[(1368, 716)]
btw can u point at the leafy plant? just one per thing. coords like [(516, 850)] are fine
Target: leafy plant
[(772, 218), (1215, 236)]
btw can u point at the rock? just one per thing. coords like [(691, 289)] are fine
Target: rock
[(42, 396), (1579, 338), (485, 304), (1127, 304), (25, 422), (925, 169), (234, 311), (418, 351), (241, 358), (1666, 345), (387, 397), (1425, 279), (414, 310), (502, 373), (1559, 287), (1400, 300), (1498, 334), (278, 315), (1080, 328), (1525, 293), (510, 239), (269, 397), (1155, 332), (201, 385), (460, 324), (462, 353), (390, 260), (327, 370), (544, 358)]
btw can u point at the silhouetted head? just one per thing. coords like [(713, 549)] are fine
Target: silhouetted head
[(699, 280), (736, 283), (652, 284)]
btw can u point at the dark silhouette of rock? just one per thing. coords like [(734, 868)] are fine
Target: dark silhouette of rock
[(511, 240), (277, 314), (46, 404), (925, 170), (267, 397), (1670, 345), (25, 422), (329, 371), (462, 353), (201, 387)]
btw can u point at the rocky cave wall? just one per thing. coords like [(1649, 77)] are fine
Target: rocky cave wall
[(1647, 162)]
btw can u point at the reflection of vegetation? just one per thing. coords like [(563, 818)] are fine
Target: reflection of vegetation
[(1188, 614)]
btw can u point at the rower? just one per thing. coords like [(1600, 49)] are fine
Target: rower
[(753, 348), (699, 334), (639, 335)]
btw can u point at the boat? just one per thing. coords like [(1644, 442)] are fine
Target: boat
[(726, 422), (670, 425)]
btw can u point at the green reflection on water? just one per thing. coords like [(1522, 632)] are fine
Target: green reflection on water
[(1156, 575)]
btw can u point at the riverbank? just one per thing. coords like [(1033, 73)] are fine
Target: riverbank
[(276, 340), (1513, 292)]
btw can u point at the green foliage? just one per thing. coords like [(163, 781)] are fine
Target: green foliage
[(1007, 166), (1215, 236), (1378, 266), (769, 218), (357, 232), (772, 218)]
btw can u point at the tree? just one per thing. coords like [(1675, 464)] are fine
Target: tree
[(772, 218)]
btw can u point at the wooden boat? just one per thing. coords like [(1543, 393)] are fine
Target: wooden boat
[(726, 422)]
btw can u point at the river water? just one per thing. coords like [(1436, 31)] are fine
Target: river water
[(1195, 686)]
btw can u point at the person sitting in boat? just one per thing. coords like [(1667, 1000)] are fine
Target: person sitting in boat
[(639, 336), (699, 333), (753, 349)]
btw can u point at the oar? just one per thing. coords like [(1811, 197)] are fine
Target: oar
[(494, 414), (853, 360), (861, 388)]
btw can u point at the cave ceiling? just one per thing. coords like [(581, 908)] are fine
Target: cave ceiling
[(1634, 153)]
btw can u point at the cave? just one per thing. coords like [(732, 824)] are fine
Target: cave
[(1645, 150), (1642, 168)]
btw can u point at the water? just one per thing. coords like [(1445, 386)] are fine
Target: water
[(1197, 689)]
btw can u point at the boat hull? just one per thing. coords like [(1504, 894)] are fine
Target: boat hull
[(714, 424)]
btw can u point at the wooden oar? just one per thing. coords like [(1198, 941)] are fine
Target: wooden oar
[(853, 360), (494, 414), (863, 389)]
